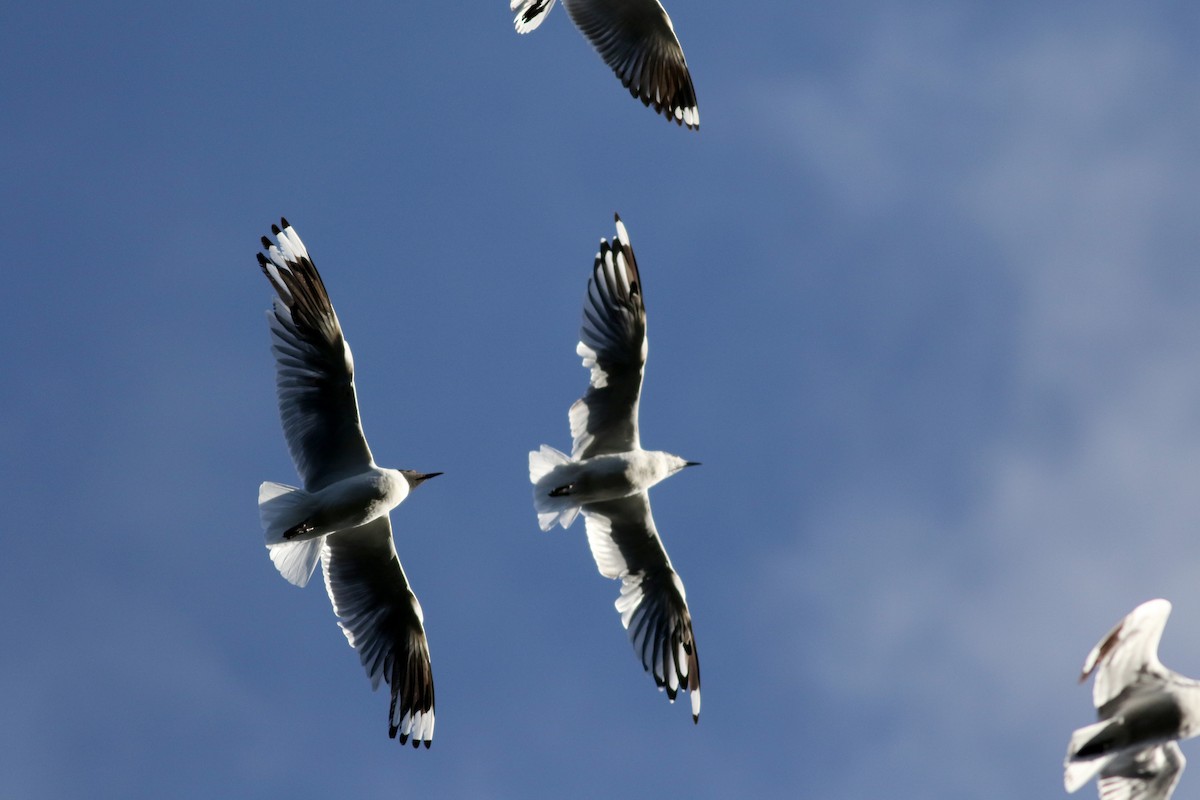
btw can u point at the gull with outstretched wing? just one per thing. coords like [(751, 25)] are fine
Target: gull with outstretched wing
[(608, 474), (341, 516), (637, 41), (1144, 709)]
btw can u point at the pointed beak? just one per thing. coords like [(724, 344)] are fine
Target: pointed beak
[(691, 463), (422, 478)]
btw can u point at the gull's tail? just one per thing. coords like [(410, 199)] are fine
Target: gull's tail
[(282, 510), (543, 467), (1078, 772)]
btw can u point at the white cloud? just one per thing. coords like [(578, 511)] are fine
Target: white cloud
[(966, 622)]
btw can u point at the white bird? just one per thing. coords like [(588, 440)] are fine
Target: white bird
[(1144, 709), (608, 474), (637, 41), (341, 514)]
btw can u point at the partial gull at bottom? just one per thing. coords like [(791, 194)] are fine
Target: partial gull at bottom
[(1144, 710)]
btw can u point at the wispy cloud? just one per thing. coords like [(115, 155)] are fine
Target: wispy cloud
[(963, 623)]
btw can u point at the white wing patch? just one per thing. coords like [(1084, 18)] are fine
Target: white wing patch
[(609, 559), (598, 377), (631, 597)]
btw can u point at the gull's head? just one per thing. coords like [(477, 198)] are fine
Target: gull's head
[(415, 478)]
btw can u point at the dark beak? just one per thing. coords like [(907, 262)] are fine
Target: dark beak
[(692, 464), (417, 481)]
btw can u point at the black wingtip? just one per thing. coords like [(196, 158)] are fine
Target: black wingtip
[(275, 230), (266, 243), (404, 737), (262, 260), (284, 223)]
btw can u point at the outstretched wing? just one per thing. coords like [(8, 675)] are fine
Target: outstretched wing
[(1128, 653), (613, 345), (314, 370), (1150, 775), (637, 41), (382, 621), (653, 603)]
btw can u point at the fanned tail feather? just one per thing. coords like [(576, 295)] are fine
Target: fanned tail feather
[(550, 510), (1077, 773), (297, 560), (543, 461), (281, 508)]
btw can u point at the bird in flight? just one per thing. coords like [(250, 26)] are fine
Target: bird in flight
[(637, 41), (608, 474), (1144, 710), (341, 515)]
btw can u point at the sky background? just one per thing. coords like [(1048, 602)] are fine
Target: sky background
[(923, 297)]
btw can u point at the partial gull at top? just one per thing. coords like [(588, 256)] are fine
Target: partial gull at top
[(341, 514), (637, 41), (608, 475), (1144, 709)]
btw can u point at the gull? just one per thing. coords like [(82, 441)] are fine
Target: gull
[(637, 41), (341, 514), (608, 474), (1144, 709)]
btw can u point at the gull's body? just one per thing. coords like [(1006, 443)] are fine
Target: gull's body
[(608, 474), (1144, 709), (341, 516), (637, 41)]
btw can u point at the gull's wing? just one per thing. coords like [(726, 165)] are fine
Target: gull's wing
[(653, 603), (636, 39), (1150, 775), (530, 13), (383, 621), (314, 371), (613, 345), (1129, 653)]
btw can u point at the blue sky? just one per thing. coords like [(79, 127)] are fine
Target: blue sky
[(923, 297)]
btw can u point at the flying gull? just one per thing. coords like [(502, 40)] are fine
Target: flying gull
[(608, 475), (1144, 709), (341, 514), (636, 39)]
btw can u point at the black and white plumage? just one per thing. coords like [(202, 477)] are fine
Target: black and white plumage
[(608, 475), (341, 516), (1144, 709), (637, 41)]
